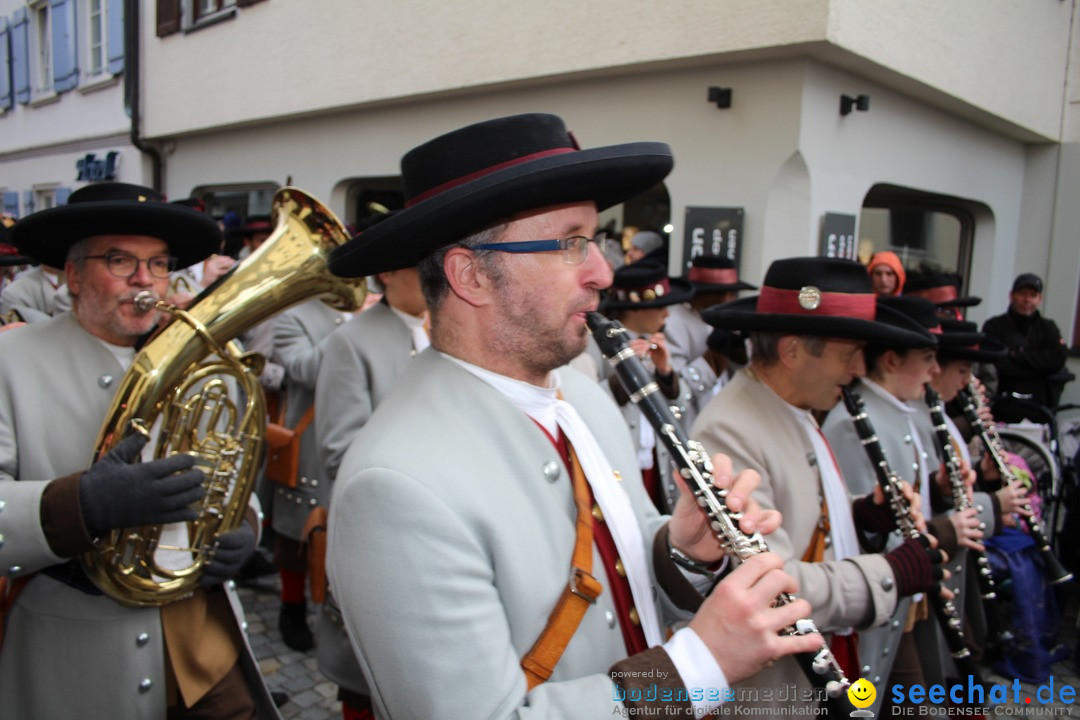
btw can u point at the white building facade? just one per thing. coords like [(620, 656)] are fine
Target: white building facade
[(958, 145)]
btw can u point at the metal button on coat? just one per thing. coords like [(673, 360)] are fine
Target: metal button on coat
[(887, 584), (609, 615), (551, 471), (105, 381), (142, 639), (145, 685)]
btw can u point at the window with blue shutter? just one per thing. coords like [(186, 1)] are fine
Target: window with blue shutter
[(28, 201), (62, 194), (11, 203), (20, 54), (65, 50), (115, 18), (7, 97)]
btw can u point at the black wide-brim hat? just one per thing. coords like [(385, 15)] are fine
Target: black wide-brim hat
[(644, 285), (116, 209), (824, 297), (961, 340), (469, 179), (919, 309), (943, 289), (9, 254), (712, 273)]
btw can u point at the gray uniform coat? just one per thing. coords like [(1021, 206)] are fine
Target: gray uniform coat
[(56, 385), (757, 429), (299, 337), (451, 532), (878, 646), (361, 364), (33, 290)]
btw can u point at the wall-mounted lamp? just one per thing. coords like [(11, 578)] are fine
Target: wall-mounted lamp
[(720, 96), (848, 103)]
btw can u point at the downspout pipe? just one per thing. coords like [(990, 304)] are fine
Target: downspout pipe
[(132, 94)]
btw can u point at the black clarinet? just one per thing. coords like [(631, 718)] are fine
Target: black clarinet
[(995, 615), (971, 399), (821, 668), (945, 612)]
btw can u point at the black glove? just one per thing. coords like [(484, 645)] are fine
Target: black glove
[(116, 493), (231, 550), (916, 567), (871, 517)]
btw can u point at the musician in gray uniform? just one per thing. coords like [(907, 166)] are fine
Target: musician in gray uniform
[(298, 336), (360, 366), (35, 292), (892, 393), (68, 648), (960, 346), (459, 510), (808, 327), (706, 358), (639, 298)]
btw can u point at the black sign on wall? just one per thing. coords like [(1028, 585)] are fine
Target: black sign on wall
[(712, 231), (838, 236)]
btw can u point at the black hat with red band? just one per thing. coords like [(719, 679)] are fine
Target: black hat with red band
[(644, 285), (713, 273), (962, 340), (824, 297), (483, 174)]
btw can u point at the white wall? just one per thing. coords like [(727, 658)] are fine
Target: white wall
[(999, 59), (782, 150)]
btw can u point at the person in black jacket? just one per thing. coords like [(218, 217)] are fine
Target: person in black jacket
[(1036, 349)]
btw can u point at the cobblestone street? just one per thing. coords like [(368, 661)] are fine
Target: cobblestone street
[(311, 695)]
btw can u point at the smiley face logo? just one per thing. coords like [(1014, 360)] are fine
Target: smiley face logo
[(862, 693)]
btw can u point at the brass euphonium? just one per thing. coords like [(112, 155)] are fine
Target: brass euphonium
[(192, 391)]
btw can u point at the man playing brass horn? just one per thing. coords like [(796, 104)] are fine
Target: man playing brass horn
[(67, 647)]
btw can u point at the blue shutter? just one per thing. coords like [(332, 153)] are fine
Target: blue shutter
[(20, 55), (65, 48), (7, 97), (114, 15), (28, 201), (11, 202), (61, 194)]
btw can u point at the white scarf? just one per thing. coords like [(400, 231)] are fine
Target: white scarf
[(420, 339), (553, 414)]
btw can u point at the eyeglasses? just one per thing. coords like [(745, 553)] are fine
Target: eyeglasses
[(574, 249), (124, 265)]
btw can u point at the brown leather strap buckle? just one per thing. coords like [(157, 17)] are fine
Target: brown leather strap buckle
[(584, 585)]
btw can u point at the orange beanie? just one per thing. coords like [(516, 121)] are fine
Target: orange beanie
[(885, 257)]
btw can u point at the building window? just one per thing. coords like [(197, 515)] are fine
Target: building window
[(97, 22), (206, 8), (41, 52), (44, 199), (928, 232)]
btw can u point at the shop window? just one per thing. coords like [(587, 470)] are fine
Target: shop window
[(927, 231)]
